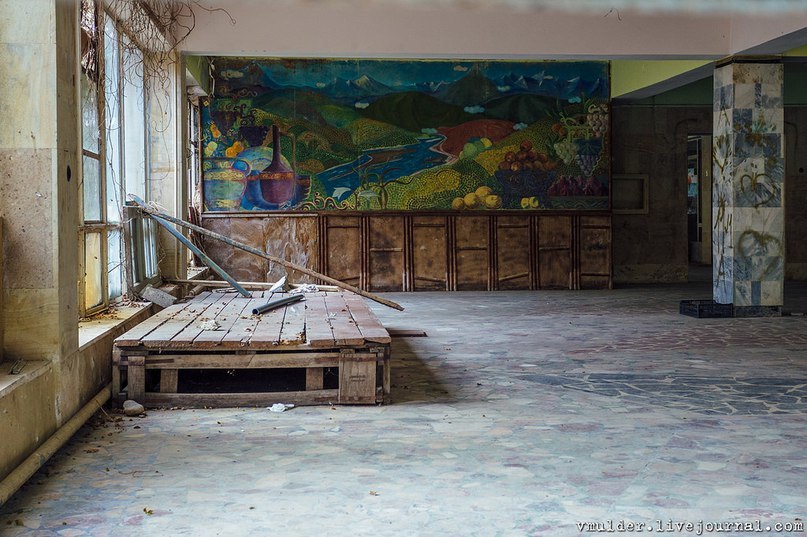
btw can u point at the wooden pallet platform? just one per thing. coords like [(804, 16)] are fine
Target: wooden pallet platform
[(333, 332)]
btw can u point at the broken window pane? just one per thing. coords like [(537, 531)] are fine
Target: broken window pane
[(90, 132), (114, 263), (92, 189)]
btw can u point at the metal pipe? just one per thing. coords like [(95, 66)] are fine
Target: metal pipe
[(38, 458), (272, 304), (206, 260), (274, 259)]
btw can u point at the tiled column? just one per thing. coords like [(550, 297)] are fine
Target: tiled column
[(747, 197)]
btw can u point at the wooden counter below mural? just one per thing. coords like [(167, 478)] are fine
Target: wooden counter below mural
[(424, 252)]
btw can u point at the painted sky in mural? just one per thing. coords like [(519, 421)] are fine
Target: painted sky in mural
[(406, 135)]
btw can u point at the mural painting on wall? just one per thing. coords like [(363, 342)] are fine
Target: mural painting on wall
[(406, 135)]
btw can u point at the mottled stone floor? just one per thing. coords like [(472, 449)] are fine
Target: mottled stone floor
[(521, 414)]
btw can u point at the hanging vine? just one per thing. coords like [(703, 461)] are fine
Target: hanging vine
[(142, 39)]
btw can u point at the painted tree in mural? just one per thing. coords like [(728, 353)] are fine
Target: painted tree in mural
[(407, 135)]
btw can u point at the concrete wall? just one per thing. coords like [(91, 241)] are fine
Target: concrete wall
[(652, 140), (40, 177), (652, 248), (355, 28), (52, 392), (795, 193), (39, 206)]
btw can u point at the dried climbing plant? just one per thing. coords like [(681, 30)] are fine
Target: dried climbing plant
[(157, 28), (149, 36)]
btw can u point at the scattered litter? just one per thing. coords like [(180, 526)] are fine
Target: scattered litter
[(280, 407), (306, 288), (209, 324)]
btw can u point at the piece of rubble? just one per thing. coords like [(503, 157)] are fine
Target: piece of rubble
[(133, 408)]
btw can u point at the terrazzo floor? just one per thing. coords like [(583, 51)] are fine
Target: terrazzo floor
[(521, 414)]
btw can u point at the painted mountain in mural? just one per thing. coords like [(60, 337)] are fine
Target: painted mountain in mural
[(364, 86), (563, 88), (472, 89), (415, 111), (409, 135), (521, 108)]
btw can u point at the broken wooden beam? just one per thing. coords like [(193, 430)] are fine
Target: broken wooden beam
[(245, 285), (254, 251)]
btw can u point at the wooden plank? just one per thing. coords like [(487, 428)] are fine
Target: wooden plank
[(357, 381), (226, 318), (387, 379), (116, 371), (169, 379), (298, 398), (136, 373), (161, 336), (192, 331), (318, 331), (293, 332), (314, 378), (368, 324), (345, 331), (240, 333), (268, 360), (132, 337), (266, 332)]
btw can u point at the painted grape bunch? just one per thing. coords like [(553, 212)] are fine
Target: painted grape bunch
[(587, 163), (597, 119), (566, 150)]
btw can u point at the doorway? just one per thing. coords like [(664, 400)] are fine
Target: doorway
[(699, 206)]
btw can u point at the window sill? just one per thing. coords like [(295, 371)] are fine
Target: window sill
[(102, 325), (30, 371), (90, 332)]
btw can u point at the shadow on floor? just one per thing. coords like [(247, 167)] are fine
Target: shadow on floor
[(414, 379)]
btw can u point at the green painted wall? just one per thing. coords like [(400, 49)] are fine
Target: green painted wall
[(631, 75), (197, 66), (699, 93)]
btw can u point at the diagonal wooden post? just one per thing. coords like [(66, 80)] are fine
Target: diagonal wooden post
[(254, 251)]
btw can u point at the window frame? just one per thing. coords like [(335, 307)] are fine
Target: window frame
[(138, 264)]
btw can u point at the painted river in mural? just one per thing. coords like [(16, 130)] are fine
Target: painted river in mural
[(408, 135), (383, 165)]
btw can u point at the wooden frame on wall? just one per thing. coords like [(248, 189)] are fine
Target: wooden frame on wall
[(629, 193)]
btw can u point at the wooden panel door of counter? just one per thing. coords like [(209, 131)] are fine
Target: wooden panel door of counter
[(341, 248), (467, 252), (514, 253), (385, 252), (555, 252), (595, 252), (472, 262), (429, 253)]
